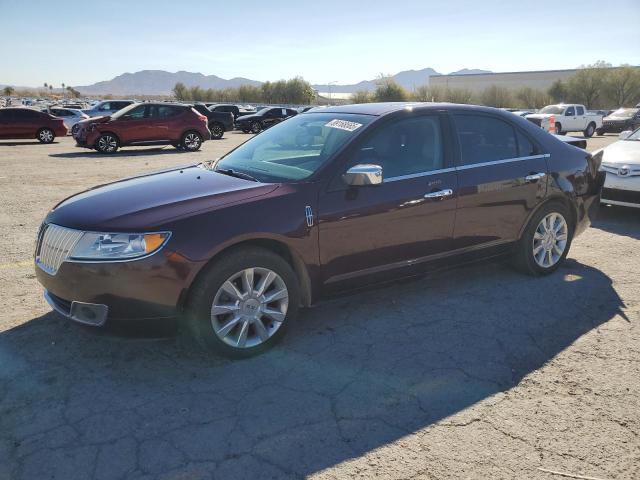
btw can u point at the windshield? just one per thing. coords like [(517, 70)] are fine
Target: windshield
[(294, 149), (625, 112), (263, 110), (555, 109), (635, 136), (123, 111)]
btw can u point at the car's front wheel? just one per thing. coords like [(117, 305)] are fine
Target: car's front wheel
[(191, 141), (546, 240), (74, 130), (46, 135), (244, 303), (107, 143), (558, 128), (600, 132), (217, 131), (256, 127)]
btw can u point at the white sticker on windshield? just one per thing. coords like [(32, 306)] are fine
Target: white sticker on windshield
[(344, 125)]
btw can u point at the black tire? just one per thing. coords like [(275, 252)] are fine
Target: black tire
[(203, 292), (191, 141), (590, 130), (558, 128), (45, 135), (74, 130), (256, 126), (217, 130), (107, 143), (600, 132), (524, 251), (246, 130)]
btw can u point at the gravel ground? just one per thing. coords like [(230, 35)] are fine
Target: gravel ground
[(476, 373)]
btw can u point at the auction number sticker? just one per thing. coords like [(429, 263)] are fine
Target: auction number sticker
[(344, 125)]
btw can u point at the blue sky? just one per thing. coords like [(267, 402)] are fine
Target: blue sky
[(345, 41)]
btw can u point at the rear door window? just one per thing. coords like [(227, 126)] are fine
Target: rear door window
[(580, 110), (24, 115), (104, 107), (483, 138), (168, 111)]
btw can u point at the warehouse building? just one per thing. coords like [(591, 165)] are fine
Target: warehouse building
[(477, 82)]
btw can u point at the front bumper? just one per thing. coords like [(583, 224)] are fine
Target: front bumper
[(614, 127), (149, 288), (622, 190)]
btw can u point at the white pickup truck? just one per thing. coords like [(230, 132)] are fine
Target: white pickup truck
[(568, 118)]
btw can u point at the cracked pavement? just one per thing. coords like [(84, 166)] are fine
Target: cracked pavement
[(478, 372)]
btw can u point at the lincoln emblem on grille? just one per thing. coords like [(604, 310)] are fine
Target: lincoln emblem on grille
[(309, 214)]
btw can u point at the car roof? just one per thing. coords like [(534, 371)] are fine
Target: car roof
[(379, 109)]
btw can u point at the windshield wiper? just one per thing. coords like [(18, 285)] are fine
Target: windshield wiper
[(235, 173)]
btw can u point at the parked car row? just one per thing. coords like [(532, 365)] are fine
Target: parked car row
[(25, 123)]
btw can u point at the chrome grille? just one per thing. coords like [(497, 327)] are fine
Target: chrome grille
[(54, 246)]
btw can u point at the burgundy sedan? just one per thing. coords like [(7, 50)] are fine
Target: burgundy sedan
[(29, 123), (325, 201)]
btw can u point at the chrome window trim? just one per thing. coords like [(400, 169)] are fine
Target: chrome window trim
[(499, 162), (417, 175)]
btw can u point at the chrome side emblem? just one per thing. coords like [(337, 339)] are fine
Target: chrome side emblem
[(309, 214), (623, 171)]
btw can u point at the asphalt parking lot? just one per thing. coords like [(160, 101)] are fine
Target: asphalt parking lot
[(474, 373)]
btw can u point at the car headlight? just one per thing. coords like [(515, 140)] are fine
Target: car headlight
[(117, 246)]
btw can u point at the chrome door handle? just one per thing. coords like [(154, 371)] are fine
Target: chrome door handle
[(440, 194), (534, 177)]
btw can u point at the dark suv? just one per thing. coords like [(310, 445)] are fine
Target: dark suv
[(264, 118), (29, 123), (620, 120), (145, 124), (218, 122), (327, 201)]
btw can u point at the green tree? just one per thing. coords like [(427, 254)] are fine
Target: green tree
[(181, 92), (557, 91), (361, 96), (622, 86), (73, 92), (388, 90), (457, 95), (586, 86), (8, 91), (249, 94), (531, 98), (496, 96)]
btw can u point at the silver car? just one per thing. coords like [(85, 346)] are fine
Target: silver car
[(70, 116), (107, 107), (621, 161)]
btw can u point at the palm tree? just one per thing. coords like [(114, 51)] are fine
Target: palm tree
[(8, 91), (62, 89)]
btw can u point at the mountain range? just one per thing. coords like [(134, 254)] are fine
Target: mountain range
[(160, 82)]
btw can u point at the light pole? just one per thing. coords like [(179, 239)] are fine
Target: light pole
[(329, 85)]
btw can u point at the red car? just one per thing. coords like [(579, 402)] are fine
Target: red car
[(29, 123), (145, 124)]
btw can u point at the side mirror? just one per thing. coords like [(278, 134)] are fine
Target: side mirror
[(624, 135), (363, 174)]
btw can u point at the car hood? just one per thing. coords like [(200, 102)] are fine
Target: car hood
[(625, 152), (148, 201), (617, 119), (248, 118), (89, 120), (540, 115)]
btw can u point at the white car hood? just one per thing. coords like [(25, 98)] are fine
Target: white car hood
[(625, 152)]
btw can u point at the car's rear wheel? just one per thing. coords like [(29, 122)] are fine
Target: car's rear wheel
[(590, 130), (107, 143), (600, 132), (217, 131), (546, 240), (558, 128), (191, 141), (46, 135), (256, 127), (244, 303), (246, 130)]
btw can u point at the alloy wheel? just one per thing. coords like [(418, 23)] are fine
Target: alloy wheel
[(550, 240), (249, 307), (256, 127), (46, 135), (192, 141), (216, 131), (107, 143)]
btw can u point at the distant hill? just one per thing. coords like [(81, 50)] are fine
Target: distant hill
[(470, 71), (409, 79), (159, 82)]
